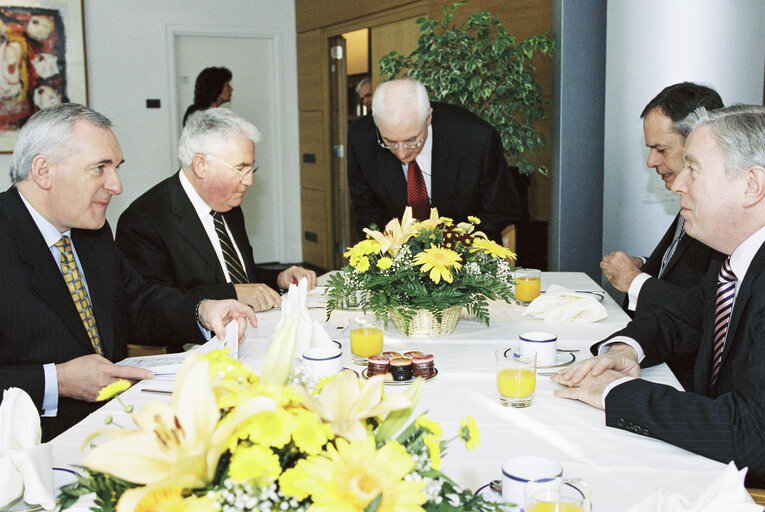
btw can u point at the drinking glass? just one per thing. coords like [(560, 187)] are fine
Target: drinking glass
[(528, 285), (516, 377), (557, 496), (366, 339)]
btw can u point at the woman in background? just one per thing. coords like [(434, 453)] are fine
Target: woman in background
[(212, 89)]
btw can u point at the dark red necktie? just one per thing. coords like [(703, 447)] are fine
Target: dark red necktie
[(416, 192)]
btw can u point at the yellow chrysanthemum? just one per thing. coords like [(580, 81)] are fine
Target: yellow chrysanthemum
[(112, 390), (162, 499), (438, 261), (384, 263), (257, 463), (492, 248), (469, 433), (474, 220), (361, 249), (434, 450), (448, 221), (269, 428), (311, 434), (429, 425), (348, 477), (362, 265)]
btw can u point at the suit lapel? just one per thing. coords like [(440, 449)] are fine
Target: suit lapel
[(47, 282), (445, 163), (391, 174), (190, 228), (703, 371)]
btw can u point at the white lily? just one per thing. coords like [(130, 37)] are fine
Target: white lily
[(346, 405), (396, 233), (175, 445)]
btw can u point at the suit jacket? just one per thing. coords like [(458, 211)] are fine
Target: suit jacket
[(685, 269), (162, 236), (39, 323), (726, 422), (469, 173)]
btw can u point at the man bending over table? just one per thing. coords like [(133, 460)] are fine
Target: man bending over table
[(721, 321), (70, 302)]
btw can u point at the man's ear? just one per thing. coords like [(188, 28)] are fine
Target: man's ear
[(754, 193), (199, 165), (41, 172)]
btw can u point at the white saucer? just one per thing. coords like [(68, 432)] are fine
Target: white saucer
[(492, 496), (562, 359)]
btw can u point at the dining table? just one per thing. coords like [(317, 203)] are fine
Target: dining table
[(621, 468)]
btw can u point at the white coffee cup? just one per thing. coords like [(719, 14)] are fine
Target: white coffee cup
[(545, 344), (321, 362), (518, 471)]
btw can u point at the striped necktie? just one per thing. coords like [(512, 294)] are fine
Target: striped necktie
[(235, 269), (726, 293), (417, 192), (78, 292)]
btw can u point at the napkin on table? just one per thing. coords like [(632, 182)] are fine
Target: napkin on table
[(726, 493), (559, 304), (26, 466), (310, 333)]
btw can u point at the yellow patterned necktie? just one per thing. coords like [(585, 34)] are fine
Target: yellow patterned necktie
[(78, 292)]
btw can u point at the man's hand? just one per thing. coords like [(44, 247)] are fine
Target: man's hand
[(590, 390), (82, 378), (215, 314), (620, 357), (293, 275), (258, 296), (621, 269)]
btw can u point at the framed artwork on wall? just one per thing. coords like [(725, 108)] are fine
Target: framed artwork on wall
[(42, 60)]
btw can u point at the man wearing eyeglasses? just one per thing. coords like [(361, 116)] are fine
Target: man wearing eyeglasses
[(188, 231), (409, 153)]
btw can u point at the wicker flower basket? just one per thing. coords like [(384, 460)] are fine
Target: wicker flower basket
[(424, 324)]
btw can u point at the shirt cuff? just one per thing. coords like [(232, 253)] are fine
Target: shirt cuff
[(50, 398), (634, 289), (604, 347), (612, 386)]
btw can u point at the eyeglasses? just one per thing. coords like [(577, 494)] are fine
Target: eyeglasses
[(405, 145), (242, 171)]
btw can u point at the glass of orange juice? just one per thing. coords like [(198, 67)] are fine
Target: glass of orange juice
[(516, 377), (366, 339), (557, 495), (528, 285)]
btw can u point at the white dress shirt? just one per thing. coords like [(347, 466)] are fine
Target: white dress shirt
[(203, 212)]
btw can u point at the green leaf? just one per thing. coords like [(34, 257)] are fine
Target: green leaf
[(374, 504)]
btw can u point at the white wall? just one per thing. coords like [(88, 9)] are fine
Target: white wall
[(127, 62), (652, 44)]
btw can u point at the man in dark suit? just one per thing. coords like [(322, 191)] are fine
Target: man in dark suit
[(70, 301), (188, 231), (679, 261), (720, 321), (411, 154)]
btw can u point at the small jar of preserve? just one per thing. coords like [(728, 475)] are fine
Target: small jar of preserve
[(377, 365), (391, 355), (401, 369), (412, 353), (423, 366)]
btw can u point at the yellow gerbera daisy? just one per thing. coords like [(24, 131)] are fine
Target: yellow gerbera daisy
[(349, 476), (469, 433), (492, 248), (112, 390), (438, 261), (429, 425), (255, 462)]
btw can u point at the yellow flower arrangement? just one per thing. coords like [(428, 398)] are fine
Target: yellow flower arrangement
[(231, 440), (431, 265)]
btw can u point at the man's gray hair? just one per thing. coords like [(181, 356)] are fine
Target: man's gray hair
[(739, 131), (397, 100), (49, 133), (207, 131), (361, 83)]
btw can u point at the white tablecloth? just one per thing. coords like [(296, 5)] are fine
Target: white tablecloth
[(622, 468)]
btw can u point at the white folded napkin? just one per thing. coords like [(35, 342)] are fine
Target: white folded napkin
[(26, 466), (559, 304), (309, 332), (726, 493)]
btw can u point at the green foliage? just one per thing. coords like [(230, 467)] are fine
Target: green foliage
[(108, 490), (478, 65)]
